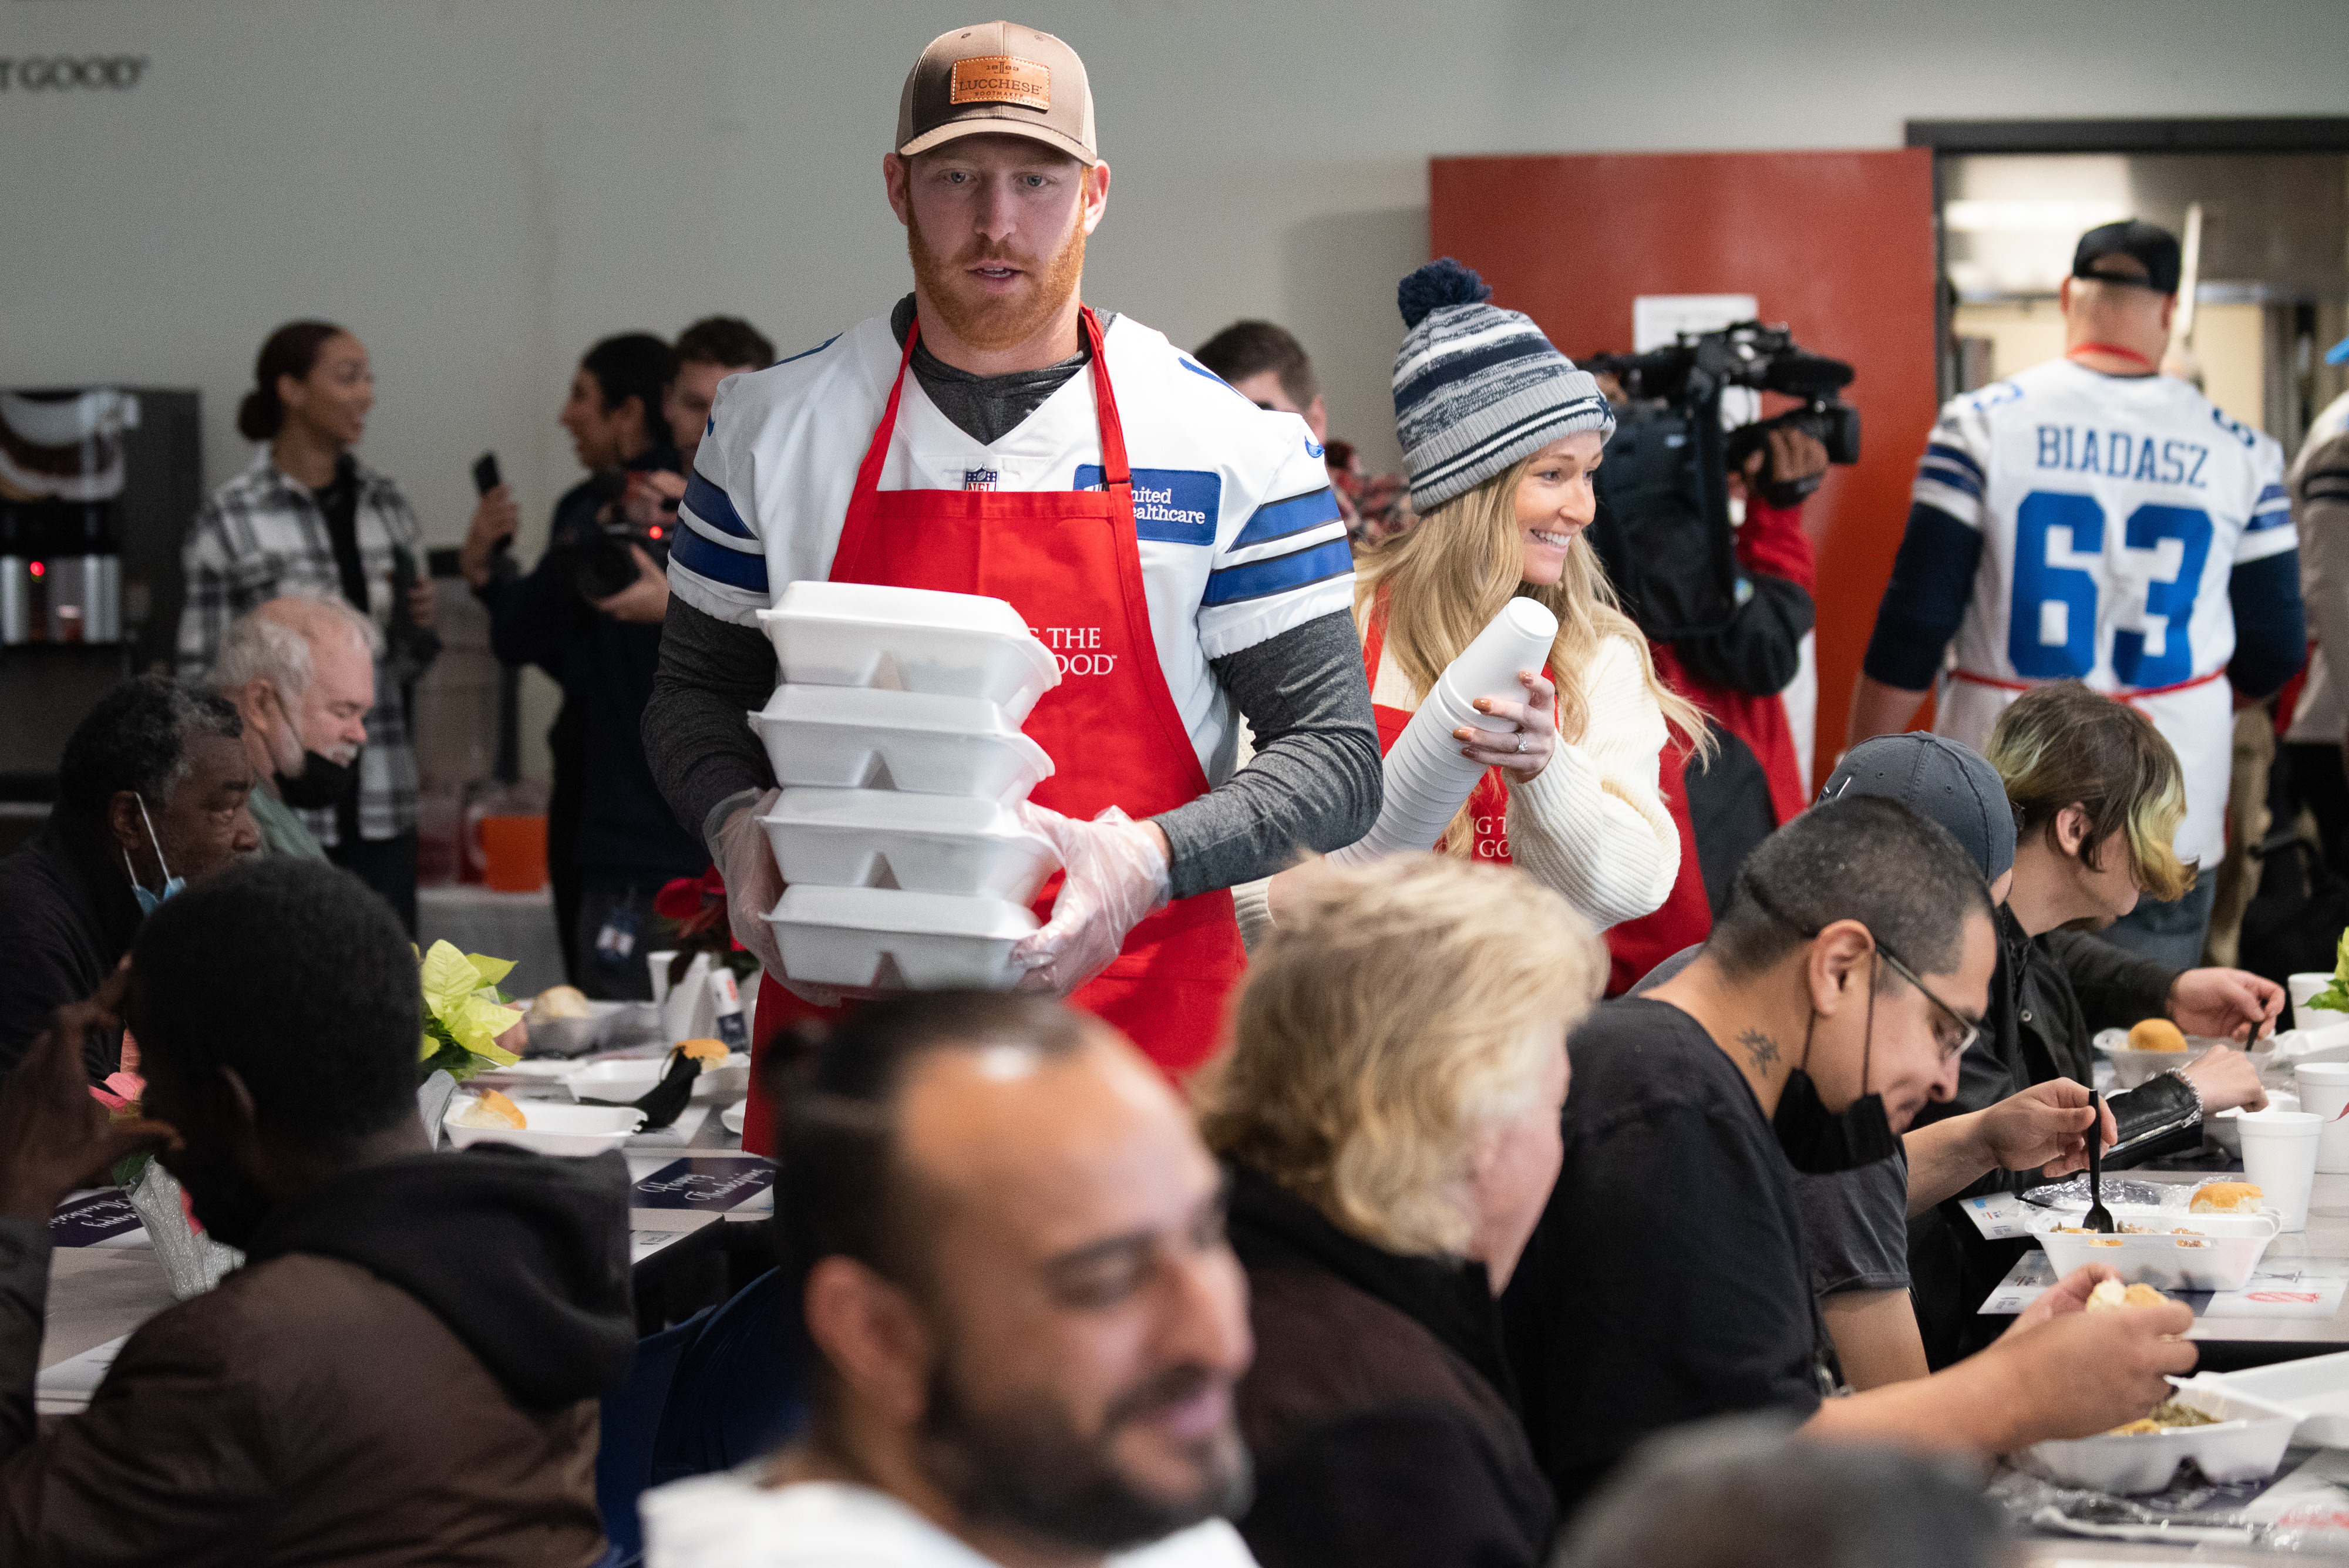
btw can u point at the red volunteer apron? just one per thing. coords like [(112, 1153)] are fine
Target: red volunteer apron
[(1068, 561), (2128, 696), (1488, 802)]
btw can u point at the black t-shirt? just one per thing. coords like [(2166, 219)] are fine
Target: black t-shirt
[(1666, 1280)]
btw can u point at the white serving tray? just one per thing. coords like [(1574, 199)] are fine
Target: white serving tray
[(2315, 1391), (2220, 1256), (554, 1127), (633, 1078), (842, 737), (884, 937), (873, 838), (2247, 1444), (909, 639)]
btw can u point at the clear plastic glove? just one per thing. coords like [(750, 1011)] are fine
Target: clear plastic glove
[(1115, 874), (754, 884)]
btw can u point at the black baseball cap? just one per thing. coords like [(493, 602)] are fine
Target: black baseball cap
[(1940, 780), (2151, 247)]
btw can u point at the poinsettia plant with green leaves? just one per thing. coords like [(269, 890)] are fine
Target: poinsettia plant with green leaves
[(2336, 995), (464, 1014)]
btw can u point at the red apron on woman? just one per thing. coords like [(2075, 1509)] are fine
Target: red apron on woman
[(1058, 557)]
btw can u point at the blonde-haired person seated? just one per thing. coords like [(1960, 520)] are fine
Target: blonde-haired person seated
[(1389, 1109)]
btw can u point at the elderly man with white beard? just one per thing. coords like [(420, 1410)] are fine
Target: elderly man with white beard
[(302, 674)]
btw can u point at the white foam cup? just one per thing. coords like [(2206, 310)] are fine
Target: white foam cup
[(1517, 639), (2324, 1093), (2279, 1155), (2303, 986)]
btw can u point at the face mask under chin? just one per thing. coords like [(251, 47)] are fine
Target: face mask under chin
[(321, 782), (1819, 1142)]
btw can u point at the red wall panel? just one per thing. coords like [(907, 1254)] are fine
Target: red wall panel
[(1840, 245)]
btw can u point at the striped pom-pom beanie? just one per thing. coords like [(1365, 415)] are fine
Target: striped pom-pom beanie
[(1477, 389)]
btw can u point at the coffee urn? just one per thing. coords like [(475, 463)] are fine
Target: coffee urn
[(61, 469)]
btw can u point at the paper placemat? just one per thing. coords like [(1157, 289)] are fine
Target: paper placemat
[(703, 1182), (2278, 1288), (94, 1219)]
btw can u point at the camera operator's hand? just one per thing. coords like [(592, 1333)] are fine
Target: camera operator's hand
[(495, 518), (1792, 455), (644, 601), (650, 501)]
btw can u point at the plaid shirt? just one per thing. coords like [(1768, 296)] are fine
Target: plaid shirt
[(262, 535)]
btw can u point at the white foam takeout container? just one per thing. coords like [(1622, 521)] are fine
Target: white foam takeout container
[(2315, 1391), (873, 838), (632, 1078), (909, 639), (2218, 1256), (554, 1127), (2247, 1444), (885, 936), (842, 737)]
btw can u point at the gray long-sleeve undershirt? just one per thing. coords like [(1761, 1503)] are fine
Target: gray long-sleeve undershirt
[(1313, 782)]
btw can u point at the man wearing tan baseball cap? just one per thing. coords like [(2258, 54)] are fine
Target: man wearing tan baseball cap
[(1176, 549)]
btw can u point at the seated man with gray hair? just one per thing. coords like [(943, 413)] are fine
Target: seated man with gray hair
[(301, 671)]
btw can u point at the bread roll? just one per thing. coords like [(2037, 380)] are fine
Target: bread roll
[(2228, 1198), (2111, 1295), (2156, 1034)]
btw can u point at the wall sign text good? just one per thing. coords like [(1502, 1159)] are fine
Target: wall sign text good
[(68, 73)]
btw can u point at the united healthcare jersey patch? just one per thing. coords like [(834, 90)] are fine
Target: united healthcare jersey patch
[(1171, 506)]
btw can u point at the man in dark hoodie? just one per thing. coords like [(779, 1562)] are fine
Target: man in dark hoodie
[(150, 794), (406, 1369)]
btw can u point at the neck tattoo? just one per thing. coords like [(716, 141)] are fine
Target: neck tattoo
[(1760, 1050)]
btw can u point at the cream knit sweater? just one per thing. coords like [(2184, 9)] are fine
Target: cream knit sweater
[(1593, 825)]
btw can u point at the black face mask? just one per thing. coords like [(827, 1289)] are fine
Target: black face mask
[(323, 782), (1819, 1141)]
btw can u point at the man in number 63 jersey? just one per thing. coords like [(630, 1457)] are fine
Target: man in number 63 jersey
[(2094, 519)]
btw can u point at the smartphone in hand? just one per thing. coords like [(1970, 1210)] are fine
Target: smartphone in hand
[(487, 478)]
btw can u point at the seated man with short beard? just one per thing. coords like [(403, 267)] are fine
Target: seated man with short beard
[(1028, 1325)]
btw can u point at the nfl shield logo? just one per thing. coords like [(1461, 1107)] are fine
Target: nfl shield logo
[(979, 478)]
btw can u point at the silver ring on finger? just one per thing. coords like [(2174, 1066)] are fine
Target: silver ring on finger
[(1521, 743)]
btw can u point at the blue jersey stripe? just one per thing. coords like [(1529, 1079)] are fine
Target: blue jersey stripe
[(1257, 579), (2263, 521), (715, 507), (2272, 493), (1279, 519), (805, 352), (1956, 454), (1198, 369), (1955, 478), (719, 564)]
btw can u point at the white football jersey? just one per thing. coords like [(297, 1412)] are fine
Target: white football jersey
[(1239, 535), (2112, 510)]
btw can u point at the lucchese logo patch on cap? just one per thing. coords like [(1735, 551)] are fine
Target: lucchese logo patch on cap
[(1002, 79)]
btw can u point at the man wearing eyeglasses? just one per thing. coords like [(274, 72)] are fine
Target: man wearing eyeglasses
[(1667, 1282)]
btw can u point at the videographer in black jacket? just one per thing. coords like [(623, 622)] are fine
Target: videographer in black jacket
[(584, 619)]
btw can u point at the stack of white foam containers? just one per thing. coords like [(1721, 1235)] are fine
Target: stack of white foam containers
[(896, 738), (1427, 779)]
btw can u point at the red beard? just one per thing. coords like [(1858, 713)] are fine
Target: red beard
[(990, 323)]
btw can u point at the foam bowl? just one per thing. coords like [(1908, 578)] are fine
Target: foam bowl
[(635, 1078), (873, 838), (2217, 1254), (842, 737), (909, 639), (2247, 1444), (554, 1127), (885, 937)]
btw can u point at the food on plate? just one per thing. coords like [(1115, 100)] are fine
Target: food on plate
[(2110, 1295), (708, 1053), (2228, 1198), (560, 1002), (2166, 1416), (2156, 1034), (492, 1110)]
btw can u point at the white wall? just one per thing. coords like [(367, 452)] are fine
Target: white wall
[(480, 188)]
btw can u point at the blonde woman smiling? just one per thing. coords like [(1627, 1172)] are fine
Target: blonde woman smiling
[(1501, 434)]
